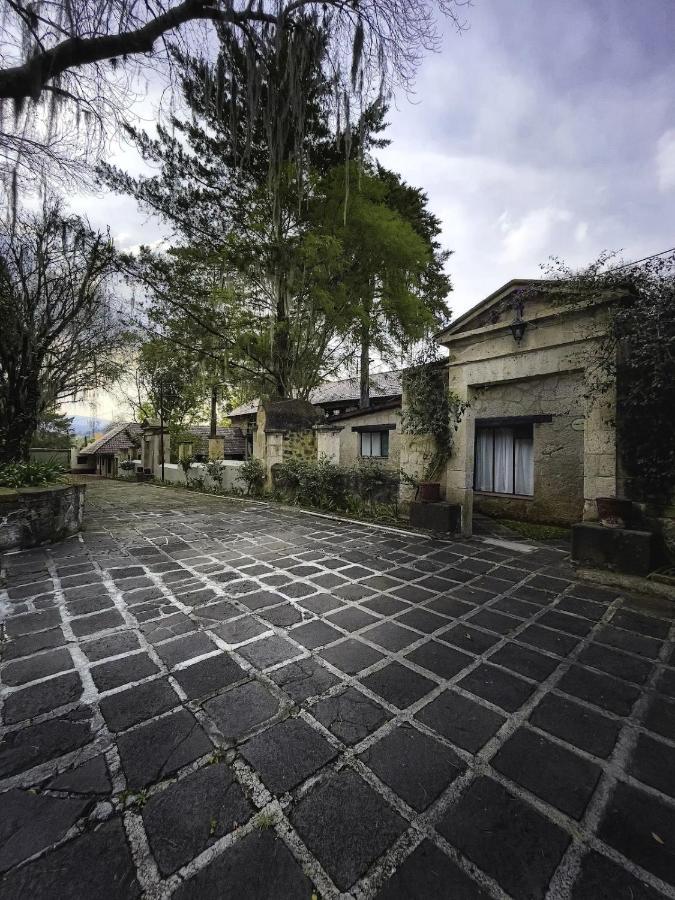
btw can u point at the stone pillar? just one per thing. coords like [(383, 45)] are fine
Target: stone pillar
[(459, 472), (274, 452), (216, 448), (146, 457), (600, 464), (328, 442)]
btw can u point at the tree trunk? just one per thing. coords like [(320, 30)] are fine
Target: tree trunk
[(214, 412), (364, 372), (18, 430), (281, 346)]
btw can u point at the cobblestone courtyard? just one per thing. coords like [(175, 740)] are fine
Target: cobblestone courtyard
[(204, 698)]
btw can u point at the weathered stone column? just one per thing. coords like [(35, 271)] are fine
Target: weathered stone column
[(328, 442), (275, 451), (216, 446), (600, 465), (459, 472)]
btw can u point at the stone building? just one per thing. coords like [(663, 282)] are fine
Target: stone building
[(338, 402), (229, 443), (530, 446), (371, 434)]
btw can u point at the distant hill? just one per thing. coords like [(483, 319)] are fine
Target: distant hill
[(82, 425)]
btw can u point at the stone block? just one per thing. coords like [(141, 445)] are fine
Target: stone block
[(445, 517), (619, 549), (32, 516)]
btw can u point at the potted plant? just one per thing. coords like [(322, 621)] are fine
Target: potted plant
[(614, 512)]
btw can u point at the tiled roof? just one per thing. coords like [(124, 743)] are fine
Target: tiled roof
[(234, 441), (382, 384), (117, 437), (373, 408)]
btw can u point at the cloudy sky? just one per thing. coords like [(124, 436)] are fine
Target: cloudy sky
[(546, 128)]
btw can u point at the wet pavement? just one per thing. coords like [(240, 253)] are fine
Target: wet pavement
[(211, 698)]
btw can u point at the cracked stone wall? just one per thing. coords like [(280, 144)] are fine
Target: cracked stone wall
[(300, 445), (33, 517), (558, 450)]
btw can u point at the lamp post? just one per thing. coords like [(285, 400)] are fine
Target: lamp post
[(161, 422)]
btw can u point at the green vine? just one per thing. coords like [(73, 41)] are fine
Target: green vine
[(636, 354), (430, 409)]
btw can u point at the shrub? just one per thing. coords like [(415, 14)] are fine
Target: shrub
[(374, 482), (320, 483), (128, 465), (215, 472), (186, 465), (30, 474), (252, 473)]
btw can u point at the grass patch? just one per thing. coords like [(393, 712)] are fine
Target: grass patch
[(537, 532)]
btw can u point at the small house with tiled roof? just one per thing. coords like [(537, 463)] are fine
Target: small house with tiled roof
[(121, 442), (348, 433), (231, 443)]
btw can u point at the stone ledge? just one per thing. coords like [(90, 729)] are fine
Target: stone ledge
[(621, 550), (441, 516), (636, 584), (32, 516)]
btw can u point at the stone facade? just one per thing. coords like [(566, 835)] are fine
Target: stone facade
[(350, 445), (299, 445), (558, 451), (151, 448), (328, 442), (542, 374), (285, 430), (32, 516), (415, 453)]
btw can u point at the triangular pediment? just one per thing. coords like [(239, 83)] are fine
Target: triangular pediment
[(495, 308)]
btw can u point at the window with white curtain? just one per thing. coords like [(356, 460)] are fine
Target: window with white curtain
[(374, 443), (503, 460)]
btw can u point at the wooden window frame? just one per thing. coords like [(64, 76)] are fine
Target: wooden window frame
[(370, 430), (518, 422)]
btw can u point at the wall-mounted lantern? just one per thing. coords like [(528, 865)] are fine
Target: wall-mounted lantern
[(518, 329)]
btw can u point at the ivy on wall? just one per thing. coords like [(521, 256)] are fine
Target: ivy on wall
[(637, 354), (430, 409)]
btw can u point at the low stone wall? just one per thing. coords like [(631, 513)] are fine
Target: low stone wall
[(174, 474), (32, 516)]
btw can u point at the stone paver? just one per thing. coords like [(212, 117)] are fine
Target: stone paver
[(202, 697)]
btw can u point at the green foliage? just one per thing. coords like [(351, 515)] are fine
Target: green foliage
[(279, 282), (324, 485), (128, 465), (186, 464), (538, 532), (54, 431), (318, 483), (637, 354), (372, 480), (252, 473), (30, 474), (389, 265), (215, 472), (430, 409), (60, 332)]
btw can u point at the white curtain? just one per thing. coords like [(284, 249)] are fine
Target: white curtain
[(524, 466), (483, 477), (503, 461)]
